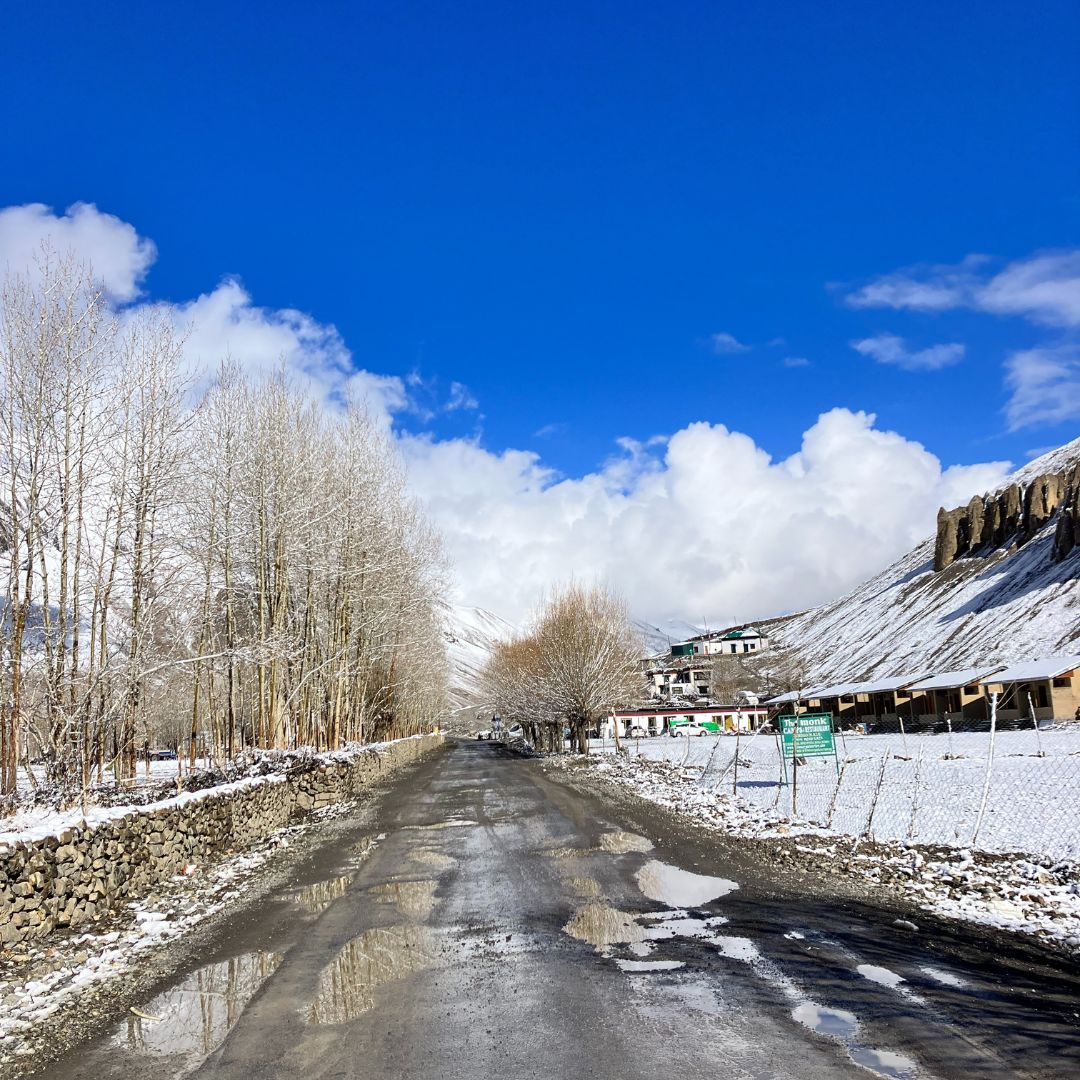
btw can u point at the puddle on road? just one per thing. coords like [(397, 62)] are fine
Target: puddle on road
[(194, 1016), (318, 897), (680, 888), (435, 859), (839, 1023), (585, 887), (602, 926), (885, 1062), (623, 843), (348, 985), (414, 899)]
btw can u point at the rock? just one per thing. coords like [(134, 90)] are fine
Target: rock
[(946, 546)]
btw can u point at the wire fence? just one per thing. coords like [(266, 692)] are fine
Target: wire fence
[(970, 786)]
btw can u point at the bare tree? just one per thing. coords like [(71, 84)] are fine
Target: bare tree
[(577, 662)]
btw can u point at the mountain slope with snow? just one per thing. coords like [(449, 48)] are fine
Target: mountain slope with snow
[(1011, 604), (470, 634)]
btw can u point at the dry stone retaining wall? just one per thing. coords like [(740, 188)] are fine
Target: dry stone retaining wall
[(89, 868)]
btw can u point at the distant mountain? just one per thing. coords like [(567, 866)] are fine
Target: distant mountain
[(470, 634), (997, 582)]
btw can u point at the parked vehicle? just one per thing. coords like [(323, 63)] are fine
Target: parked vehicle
[(681, 729), (638, 733), (486, 734), (162, 755)]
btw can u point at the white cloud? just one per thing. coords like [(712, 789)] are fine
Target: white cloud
[(460, 398), (796, 361), (890, 349), (120, 257), (1044, 385), (724, 344), (1043, 288), (702, 522), (710, 525)]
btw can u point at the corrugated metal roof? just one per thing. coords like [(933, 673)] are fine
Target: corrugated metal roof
[(890, 682), (839, 690), (793, 695), (950, 680), (1033, 670)]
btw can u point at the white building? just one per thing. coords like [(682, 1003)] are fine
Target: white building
[(744, 642)]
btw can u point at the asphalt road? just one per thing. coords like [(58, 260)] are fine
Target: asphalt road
[(496, 922)]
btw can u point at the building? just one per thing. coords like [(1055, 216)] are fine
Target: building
[(656, 721), (952, 695), (671, 681), (742, 642), (1038, 690)]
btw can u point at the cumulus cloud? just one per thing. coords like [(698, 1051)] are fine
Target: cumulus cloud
[(1044, 288), (705, 522), (702, 522), (890, 349), (1044, 385), (724, 344), (120, 257)]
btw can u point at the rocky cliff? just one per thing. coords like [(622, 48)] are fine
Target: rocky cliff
[(1000, 581), (1011, 517)]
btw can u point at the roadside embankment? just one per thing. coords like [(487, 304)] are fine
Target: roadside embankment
[(70, 872)]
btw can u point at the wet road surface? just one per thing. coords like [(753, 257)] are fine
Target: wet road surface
[(497, 923)]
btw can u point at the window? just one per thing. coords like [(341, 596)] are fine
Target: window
[(734, 648), (1062, 683), (971, 690), (752, 647)]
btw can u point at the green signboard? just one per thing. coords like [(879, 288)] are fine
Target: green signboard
[(806, 736)]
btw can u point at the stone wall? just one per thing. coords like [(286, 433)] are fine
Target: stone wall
[(115, 856), (1011, 517)]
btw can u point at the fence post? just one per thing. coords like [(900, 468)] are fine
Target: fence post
[(1035, 725), (877, 792), (836, 794), (735, 783), (989, 769), (795, 765), (915, 796)]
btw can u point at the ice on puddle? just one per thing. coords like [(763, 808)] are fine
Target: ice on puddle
[(880, 975), (649, 965), (945, 978)]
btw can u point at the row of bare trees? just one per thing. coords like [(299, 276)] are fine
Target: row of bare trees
[(578, 660), (240, 570)]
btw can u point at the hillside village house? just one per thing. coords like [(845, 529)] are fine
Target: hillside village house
[(1044, 689), (674, 682), (742, 642)]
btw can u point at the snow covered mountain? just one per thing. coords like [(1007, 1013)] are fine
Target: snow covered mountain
[(1005, 588), (470, 633)]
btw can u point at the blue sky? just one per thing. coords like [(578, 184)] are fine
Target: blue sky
[(559, 207)]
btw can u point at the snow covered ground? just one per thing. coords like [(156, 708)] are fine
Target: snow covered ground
[(926, 789), (1036, 895)]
